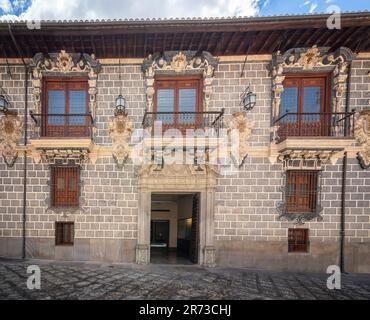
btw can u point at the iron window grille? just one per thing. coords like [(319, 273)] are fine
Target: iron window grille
[(301, 194), (298, 240), (64, 233), (65, 187)]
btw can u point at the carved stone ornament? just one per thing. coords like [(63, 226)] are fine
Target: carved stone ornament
[(362, 135), (239, 127), (174, 62), (62, 156), (308, 158), (64, 63), (311, 59), (11, 130), (120, 129)]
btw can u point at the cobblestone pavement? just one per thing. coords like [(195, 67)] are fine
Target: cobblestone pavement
[(62, 280)]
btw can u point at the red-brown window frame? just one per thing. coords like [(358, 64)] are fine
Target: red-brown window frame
[(298, 240), (162, 82), (67, 198), (59, 233), (291, 80), (299, 201), (66, 84)]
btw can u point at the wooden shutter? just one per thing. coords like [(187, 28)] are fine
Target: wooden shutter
[(298, 240), (65, 186)]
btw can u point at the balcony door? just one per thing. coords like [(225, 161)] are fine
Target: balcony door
[(65, 108), (177, 102), (305, 104)]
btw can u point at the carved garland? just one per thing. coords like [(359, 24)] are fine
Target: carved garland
[(11, 130), (362, 135), (174, 62), (240, 125), (64, 63), (120, 130), (311, 59)]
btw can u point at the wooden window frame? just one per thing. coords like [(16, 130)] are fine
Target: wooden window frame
[(178, 79), (297, 201), (72, 201), (176, 83), (66, 84), (59, 233), (295, 245)]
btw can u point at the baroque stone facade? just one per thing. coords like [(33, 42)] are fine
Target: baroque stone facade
[(239, 219)]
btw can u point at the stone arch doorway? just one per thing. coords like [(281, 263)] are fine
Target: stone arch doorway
[(178, 179)]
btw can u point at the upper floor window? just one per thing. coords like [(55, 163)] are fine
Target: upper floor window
[(301, 191), (305, 106), (177, 101), (66, 108), (65, 190)]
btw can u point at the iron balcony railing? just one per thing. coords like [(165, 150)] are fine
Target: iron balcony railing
[(77, 125), (185, 120), (338, 125)]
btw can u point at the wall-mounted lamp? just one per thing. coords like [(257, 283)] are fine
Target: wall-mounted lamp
[(120, 104), (4, 104), (248, 99)]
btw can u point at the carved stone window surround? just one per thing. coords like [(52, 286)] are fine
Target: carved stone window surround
[(311, 60), (179, 63)]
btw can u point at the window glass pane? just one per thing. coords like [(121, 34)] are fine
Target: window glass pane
[(289, 102), (187, 103), (312, 101), (165, 103), (56, 105), (77, 105)]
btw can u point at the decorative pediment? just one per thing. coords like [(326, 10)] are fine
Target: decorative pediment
[(11, 130), (120, 130), (239, 127), (178, 62), (362, 135), (308, 60), (64, 63)]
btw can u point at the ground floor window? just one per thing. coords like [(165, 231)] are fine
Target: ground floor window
[(298, 240), (64, 189), (64, 233)]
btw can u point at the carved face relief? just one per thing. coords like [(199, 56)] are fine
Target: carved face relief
[(310, 58), (64, 61), (179, 62)]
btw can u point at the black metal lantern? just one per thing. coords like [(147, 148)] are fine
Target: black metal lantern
[(120, 104), (3, 104), (248, 99)]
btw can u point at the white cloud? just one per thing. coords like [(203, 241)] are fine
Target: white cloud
[(113, 9), (313, 7), (5, 5)]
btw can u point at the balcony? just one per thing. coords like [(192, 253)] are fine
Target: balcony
[(64, 125), (68, 134), (185, 120), (317, 135), (333, 125)]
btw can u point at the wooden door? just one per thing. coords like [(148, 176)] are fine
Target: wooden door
[(194, 242)]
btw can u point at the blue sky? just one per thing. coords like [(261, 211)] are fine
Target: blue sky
[(114, 9)]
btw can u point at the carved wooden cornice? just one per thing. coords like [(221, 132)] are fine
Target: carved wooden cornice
[(11, 130), (178, 62)]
